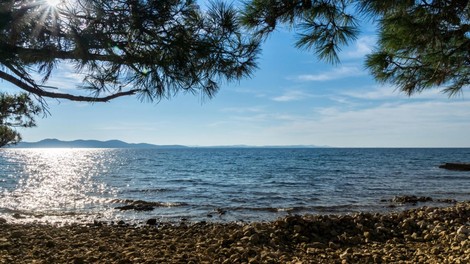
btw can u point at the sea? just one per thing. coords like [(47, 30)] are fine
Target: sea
[(60, 186)]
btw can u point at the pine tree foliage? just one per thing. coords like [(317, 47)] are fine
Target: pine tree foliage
[(16, 111), (322, 26), (422, 44), (149, 48)]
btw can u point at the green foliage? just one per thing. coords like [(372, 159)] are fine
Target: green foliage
[(152, 48), (323, 26), (8, 136), (16, 111), (421, 45)]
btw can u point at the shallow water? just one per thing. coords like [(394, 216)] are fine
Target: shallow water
[(212, 184)]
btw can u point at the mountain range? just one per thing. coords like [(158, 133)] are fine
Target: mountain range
[(56, 143)]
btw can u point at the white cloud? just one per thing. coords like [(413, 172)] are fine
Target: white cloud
[(363, 46), (241, 110), (64, 77), (389, 92), (415, 124), (336, 73), (373, 93), (290, 96)]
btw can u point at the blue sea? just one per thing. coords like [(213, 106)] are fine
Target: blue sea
[(218, 185)]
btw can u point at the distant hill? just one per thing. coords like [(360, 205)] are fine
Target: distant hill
[(55, 143), (270, 146)]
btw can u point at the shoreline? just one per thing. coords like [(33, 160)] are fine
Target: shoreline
[(217, 215), (425, 235)]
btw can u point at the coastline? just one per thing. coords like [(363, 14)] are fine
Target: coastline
[(424, 235)]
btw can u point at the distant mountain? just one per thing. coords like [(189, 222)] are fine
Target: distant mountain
[(55, 143), (270, 146)]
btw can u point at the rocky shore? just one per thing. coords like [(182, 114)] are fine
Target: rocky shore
[(424, 235)]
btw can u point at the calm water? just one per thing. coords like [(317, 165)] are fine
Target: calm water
[(81, 185)]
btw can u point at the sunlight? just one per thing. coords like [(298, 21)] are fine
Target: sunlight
[(53, 3), (56, 182)]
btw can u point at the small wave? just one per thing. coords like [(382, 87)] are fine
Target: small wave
[(451, 177), (147, 203), (272, 209), (154, 190)]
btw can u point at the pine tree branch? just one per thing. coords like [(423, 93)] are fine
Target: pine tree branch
[(39, 92)]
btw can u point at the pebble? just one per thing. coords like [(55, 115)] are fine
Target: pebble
[(423, 235)]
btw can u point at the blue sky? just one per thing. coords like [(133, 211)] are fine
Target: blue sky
[(292, 99)]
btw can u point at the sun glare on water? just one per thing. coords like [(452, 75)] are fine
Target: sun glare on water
[(54, 182)]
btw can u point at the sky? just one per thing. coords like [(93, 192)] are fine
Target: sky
[(292, 99)]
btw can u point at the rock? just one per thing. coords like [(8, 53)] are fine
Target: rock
[(18, 216), (297, 228), (254, 238), (456, 166), (452, 201), (136, 207), (17, 234), (463, 230), (443, 235), (333, 245), (151, 221), (2, 221), (78, 260), (50, 244), (346, 254), (5, 245), (317, 245), (411, 199), (438, 228)]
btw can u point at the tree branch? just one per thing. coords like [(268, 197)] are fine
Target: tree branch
[(39, 92)]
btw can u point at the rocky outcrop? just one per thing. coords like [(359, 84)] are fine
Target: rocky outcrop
[(456, 166)]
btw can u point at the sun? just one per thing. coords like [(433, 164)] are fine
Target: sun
[(53, 3)]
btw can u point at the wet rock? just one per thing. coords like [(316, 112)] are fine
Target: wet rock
[(18, 216), (151, 221), (452, 201), (411, 199), (136, 207), (456, 166)]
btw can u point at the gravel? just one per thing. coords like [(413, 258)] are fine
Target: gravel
[(423, 235)]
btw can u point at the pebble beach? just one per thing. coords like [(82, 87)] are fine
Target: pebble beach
[(423, 235)]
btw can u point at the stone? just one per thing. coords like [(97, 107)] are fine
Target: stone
[(254, 238), (151, 221), (410, 199), (463, 230), (456, 166), (317, 245), (346, 254)]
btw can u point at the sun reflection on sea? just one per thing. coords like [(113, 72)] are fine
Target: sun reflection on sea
[(55, 181)]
